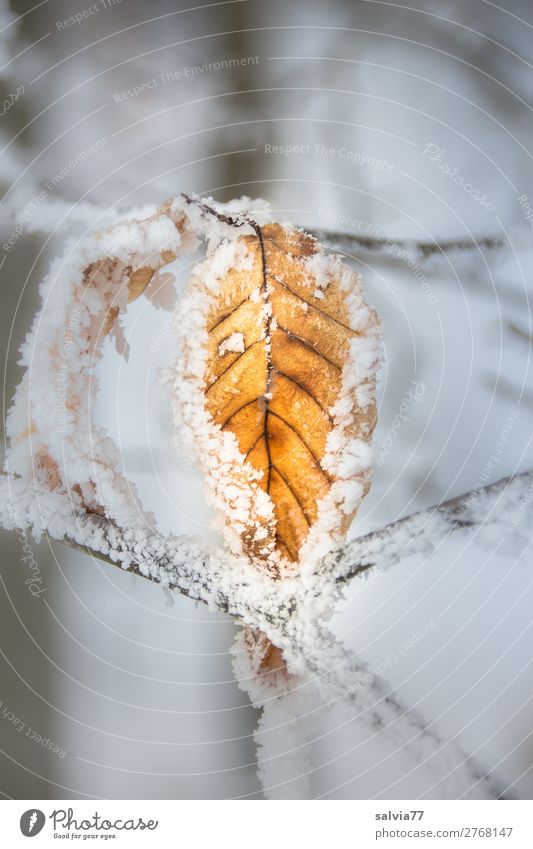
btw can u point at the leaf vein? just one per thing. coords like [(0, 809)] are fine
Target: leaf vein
[(228, 315), (307, 344), (280, 282), (306, 390), (236, 360), (291, 490), (304, 443)]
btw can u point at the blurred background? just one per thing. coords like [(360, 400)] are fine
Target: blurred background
[(381, 119)]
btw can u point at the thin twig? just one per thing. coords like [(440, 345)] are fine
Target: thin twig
[(223, 581), (347, 677), (353, 242), (195, 571), (239, 220), (496, 503), (283, 610)]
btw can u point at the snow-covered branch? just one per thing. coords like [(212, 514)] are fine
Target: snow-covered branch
[(288, 611), (228, 584), (224, 582), (63, 216), (345, 676), (383, 245), (503, 504)]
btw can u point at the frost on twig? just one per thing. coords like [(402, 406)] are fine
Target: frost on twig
[(329, 674), (183, 564), (499, 509), (345, 677), (382, 245), (287, 612), (227, 584), (62, 215)]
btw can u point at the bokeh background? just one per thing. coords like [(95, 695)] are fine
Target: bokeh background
[(412, 121)]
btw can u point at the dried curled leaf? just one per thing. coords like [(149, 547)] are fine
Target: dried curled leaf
[(275, 386), (53, 438)]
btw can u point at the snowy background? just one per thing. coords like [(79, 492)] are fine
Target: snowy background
[(390, 120)]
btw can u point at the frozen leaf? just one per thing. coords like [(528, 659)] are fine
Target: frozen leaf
[(278, 355)]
